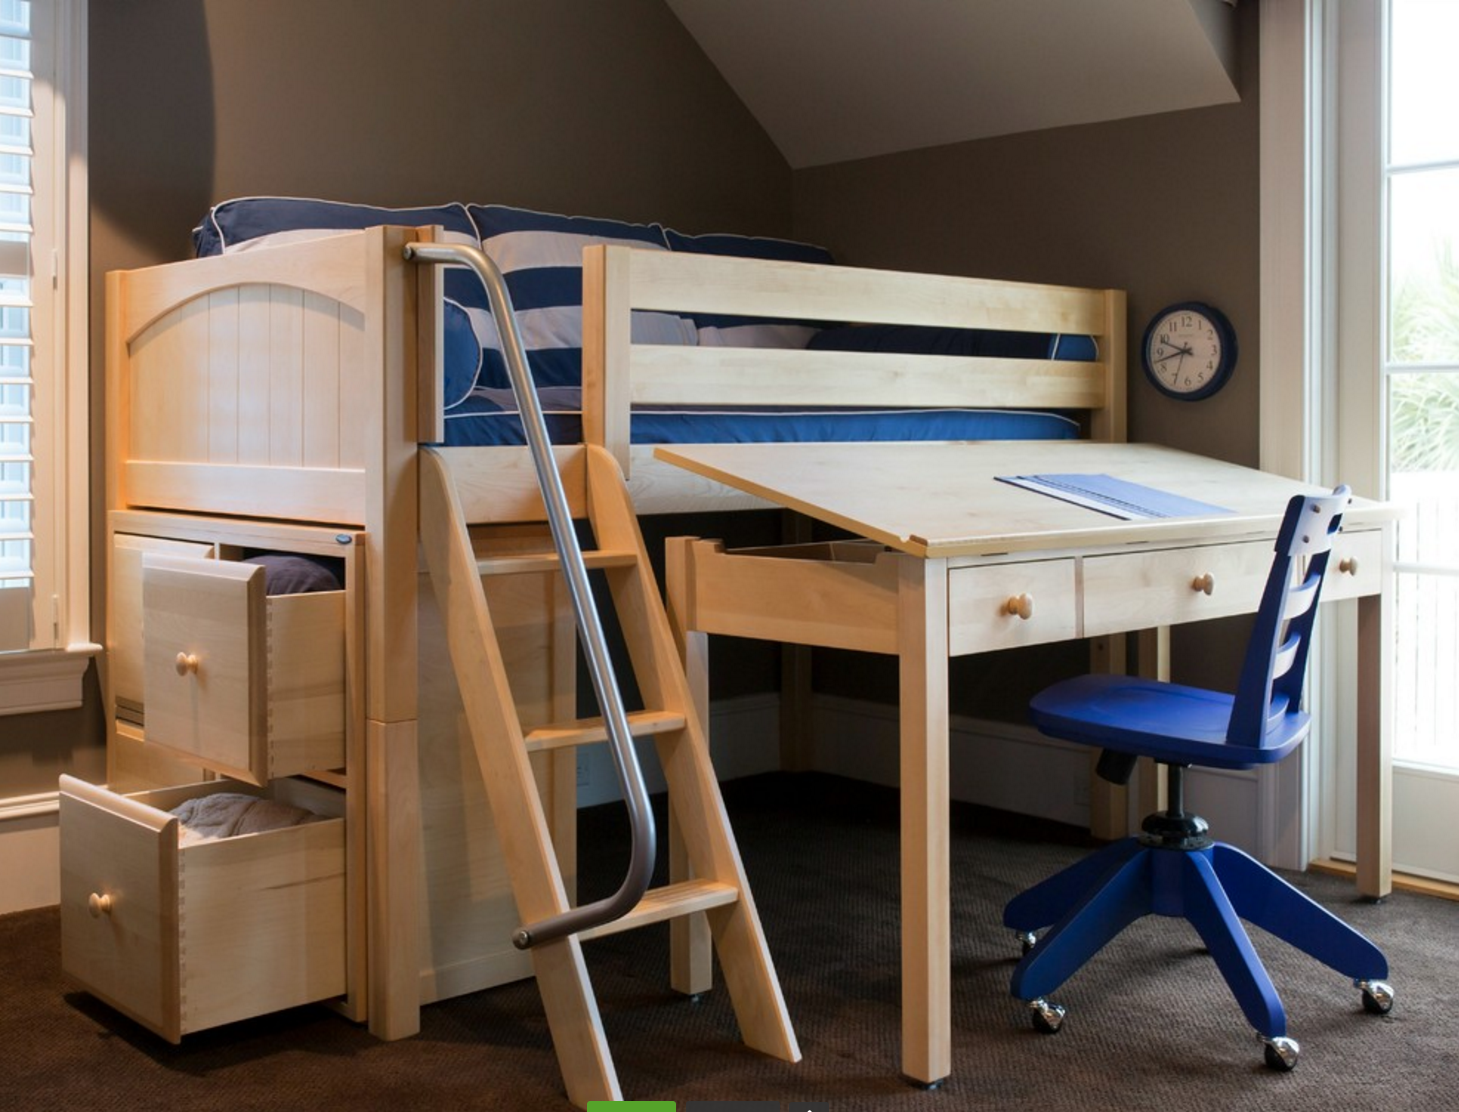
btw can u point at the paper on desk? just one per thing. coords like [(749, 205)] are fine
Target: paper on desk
[(1116, 497)]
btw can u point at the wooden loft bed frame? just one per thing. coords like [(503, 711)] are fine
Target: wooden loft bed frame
[(285, 392), (315, 410)]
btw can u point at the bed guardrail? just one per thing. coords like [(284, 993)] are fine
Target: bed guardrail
[(589, 628)]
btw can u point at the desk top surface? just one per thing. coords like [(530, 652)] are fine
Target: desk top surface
[(943, 499)]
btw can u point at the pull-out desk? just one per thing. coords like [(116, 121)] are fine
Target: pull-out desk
[(959, 563)]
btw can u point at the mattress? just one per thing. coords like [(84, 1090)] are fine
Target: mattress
[(489, 417)]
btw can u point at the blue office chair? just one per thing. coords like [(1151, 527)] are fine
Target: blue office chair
[(1174, 868)]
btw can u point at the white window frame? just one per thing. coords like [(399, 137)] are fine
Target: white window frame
[(49, 675), (1298, 410)]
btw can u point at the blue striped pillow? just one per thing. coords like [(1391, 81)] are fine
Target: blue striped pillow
[(718, 330), (540, 256), (245, 223)]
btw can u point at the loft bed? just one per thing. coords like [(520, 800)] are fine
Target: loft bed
[(280, 397)]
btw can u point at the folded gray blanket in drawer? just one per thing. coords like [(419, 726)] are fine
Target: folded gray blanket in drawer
[(229, 814)]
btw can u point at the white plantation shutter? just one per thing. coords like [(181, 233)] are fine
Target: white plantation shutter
[(44, 518), (17, 317)]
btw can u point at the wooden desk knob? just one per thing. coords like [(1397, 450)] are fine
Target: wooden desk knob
[(187, 663), (1020, 605), (1348, 565), (1205, 584), (99, 905)]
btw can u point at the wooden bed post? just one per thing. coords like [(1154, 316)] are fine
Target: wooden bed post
[(392, 765), (607, 396)]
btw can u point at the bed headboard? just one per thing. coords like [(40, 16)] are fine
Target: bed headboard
[(618, 373)]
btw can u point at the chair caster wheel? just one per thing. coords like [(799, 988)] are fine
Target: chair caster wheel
[(1047, 1017), (1377, 997), (1281, 1053), (1027, 940)]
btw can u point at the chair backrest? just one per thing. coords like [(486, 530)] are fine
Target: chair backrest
[(1276, 657)]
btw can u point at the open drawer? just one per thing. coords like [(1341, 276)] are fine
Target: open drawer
[(237, 681), (182, 938)]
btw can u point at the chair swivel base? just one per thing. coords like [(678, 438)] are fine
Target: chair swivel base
[(1213, 886)]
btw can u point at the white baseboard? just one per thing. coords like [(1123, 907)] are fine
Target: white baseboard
[(30, 852), (995, 764), (1015, 768), (744, 739)]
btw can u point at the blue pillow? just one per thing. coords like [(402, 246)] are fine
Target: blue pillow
[(261, 221), (748, 247), (540, 256), (248, 222), (719, 330)]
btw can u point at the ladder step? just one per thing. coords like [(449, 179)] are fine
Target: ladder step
[(668, 902), (524, 563), (587, 731)]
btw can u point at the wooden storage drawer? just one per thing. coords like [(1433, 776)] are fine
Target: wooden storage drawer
[(1000, 606), (182, 938), (124, 626), (1173, 585), (245, 684), (1355, 567)]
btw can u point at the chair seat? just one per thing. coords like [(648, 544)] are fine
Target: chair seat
[(1167, 721)]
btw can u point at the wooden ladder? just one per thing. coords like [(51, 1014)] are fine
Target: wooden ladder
[(455, 496)]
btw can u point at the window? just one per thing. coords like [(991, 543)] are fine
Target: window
[(44, 577), (1420, 371)]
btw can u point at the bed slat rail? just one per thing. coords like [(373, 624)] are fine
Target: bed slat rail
[(683, 282), (748, 376), (618, 374)]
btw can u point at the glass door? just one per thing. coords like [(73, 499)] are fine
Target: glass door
[(1419, 426)]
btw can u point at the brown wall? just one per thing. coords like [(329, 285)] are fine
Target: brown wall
[(580, 106), (1164, 207), (568, 105), (609, 108)]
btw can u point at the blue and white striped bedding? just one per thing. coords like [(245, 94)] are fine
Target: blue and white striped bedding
[(540, 256)]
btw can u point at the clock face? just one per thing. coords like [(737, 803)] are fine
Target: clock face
[(1189, 351)]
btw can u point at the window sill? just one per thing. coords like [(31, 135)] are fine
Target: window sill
[(32, 682)]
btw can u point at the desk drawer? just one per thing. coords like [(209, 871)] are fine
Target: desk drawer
[(182, 938), (1355, 567), (1000, 606), (1168, 586), (839, 595), (245, 684)]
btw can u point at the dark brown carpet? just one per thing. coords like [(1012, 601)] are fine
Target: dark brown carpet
[(1150, 1024)]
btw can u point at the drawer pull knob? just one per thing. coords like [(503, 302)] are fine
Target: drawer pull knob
[(1348, 565), (1020, 605), (187, 663), (99, 905), (1205, 584)]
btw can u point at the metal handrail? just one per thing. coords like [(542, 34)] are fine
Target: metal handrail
[(590, 630)]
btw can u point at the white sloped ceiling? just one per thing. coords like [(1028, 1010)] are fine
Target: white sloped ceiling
[(835, 80)]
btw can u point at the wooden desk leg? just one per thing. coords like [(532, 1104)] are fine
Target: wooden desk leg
[(1108, 803), (1154, 654), (691, 949), (1375, 766), (926, 900)]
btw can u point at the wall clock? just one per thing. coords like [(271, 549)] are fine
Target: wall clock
[(1189, 350)]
